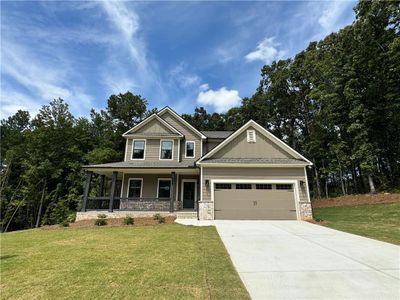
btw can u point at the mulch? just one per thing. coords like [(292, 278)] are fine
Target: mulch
[(113, 222), (357, 200)]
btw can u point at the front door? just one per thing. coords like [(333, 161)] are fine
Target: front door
[(188, 194)]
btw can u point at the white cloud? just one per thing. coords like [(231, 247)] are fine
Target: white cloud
[(183, 78), (222, 99), (332, 15), (266, 51)]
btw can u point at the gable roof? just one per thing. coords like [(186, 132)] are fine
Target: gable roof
[(262, 130), (170, 110), (147, 120), (212, 134)]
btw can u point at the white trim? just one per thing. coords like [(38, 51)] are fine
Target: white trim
[(262, 130), (144, 150), (201, 148), (141, 186), (126, 149), (194, 149), (307, 190), (177, 186), (195, 191), (145, 121), (159, 152), (289, 181), (201, 183), (122, 186), (167, 108), (179, 151), (158, 185)]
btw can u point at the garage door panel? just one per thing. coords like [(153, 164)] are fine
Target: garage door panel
[(253, 204)]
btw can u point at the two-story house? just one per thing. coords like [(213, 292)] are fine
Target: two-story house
[(170, 166)]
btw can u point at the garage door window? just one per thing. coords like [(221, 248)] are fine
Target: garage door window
[(243, 186), (264, 186), (223, 186), (283, 186)]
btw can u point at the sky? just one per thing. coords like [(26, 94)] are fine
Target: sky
[(181, 54)]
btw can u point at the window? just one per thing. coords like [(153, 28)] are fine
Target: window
[(243, 186), (251, 136), (164, 188), (283, 186), (138, 147), (166, 149), (135, 188), (264, 186), (223, 186), (189, 149)]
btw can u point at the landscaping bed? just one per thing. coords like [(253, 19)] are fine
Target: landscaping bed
[(352, 200)]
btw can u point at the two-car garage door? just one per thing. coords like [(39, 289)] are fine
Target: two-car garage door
[(254, 201)]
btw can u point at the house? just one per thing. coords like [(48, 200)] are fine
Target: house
[(172, 167)]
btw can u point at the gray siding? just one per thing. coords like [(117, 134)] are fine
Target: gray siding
[(154, 127), (253, 173), (210, 144), (262, 148), (152, 152), (187, 132)]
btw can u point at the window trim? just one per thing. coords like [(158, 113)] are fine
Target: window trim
[(194, 149), (144, 150), (170, 187), (248, 135), (173, 146), (141, 186)]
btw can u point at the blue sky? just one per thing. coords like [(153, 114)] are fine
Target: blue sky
[(181, 54)]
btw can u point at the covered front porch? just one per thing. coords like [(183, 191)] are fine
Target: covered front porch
[(141, 190)]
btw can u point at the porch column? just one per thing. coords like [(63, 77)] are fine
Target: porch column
[(101, 187), (112, 191), (173, 192), (89, 175)]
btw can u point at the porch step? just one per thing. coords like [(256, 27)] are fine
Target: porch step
[(186, 214)]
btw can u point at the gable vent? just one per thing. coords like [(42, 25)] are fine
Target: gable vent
[(251, 136)]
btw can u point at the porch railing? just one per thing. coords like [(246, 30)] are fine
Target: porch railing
[(129, 204)]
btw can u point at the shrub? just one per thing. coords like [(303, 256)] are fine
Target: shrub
[(128, 220), (159, 218), (64, 223), (101, 220)]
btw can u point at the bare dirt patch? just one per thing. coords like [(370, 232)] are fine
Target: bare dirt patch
[(357, 200), (114, 222)]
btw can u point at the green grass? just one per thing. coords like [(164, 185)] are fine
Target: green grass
[(150, 262), (377, 221)]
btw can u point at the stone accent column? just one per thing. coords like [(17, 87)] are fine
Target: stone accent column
[(206, 209), (305, 210), (89, 175)]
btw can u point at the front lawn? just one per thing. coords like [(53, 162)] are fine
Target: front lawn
[(377, 221), (151, 262)]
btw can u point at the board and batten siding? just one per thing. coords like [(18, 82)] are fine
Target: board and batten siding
[(152, 151), (254, 173), (189, 136), (154, 127), (262, 148)]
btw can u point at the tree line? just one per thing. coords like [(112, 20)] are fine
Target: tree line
[(337, 102)]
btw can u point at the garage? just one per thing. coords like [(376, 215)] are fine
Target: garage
[(254, 201)]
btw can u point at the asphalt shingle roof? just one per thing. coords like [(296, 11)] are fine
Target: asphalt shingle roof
[(217, 134), (254, 161), (141, 164)]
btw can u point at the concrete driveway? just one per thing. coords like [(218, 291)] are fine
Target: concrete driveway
[(299, 260)]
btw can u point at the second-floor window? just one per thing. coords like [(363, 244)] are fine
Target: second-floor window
[(166, 149), (189, 149), (138, 148)]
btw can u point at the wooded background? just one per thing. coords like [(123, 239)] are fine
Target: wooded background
[(337, 102)]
